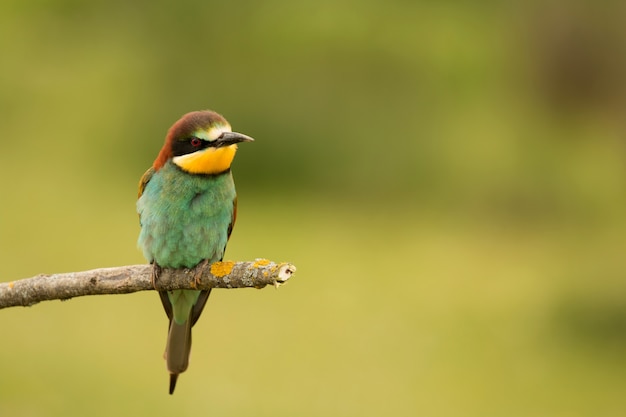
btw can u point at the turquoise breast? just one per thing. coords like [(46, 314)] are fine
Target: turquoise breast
[(185, 218)]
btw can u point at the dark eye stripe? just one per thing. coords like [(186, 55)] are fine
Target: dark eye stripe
[(189, 145)]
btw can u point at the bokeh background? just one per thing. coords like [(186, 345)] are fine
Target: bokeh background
[(449, 178)]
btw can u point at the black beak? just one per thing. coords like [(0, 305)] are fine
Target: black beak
[(230, 138)]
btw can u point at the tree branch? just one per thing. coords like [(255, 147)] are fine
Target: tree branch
[(133, 278)]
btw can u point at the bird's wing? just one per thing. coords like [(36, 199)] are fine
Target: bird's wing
[(144, 180), (233, 219)]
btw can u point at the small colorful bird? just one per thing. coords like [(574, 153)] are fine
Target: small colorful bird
[(187, 208)]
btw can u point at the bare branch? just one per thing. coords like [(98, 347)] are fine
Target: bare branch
[(133, 278)]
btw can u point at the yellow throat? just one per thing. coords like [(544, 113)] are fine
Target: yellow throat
[(207, 161)]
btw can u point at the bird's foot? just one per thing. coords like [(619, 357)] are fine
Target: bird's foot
[(154, 276), (198, 273)]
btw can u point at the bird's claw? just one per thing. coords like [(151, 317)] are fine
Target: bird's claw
[(198, 273), (154, 276)]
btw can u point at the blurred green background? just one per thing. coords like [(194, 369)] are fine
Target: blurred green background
[(449, 178)]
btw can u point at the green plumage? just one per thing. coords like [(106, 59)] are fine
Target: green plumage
[(185, 219)]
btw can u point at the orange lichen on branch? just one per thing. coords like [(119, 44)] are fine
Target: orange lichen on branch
[(221, 269), (260, 262)]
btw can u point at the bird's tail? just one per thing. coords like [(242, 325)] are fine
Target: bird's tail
[(173, 379), (183, 308), (177, 350)]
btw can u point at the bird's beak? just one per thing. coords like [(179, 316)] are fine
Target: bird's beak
[(230, 138)]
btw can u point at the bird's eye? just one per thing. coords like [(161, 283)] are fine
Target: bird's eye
[(195, 142)]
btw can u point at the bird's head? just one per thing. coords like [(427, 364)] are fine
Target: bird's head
[(201, 142)]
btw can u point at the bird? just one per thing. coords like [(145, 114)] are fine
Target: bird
[(187, 206)]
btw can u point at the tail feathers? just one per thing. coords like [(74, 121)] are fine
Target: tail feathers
[(177, 350), (173, 378), (179, 304)]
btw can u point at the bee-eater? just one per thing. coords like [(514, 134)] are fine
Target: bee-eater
[(187, 208)]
